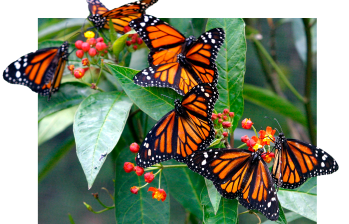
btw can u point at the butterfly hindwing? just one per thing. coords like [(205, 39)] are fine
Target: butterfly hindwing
[(239, 173), (41, 71), (182, 131), (296, 161)]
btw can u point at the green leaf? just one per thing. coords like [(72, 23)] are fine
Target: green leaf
[(289, 216), (227, 212), (138, 208), (153, 101), (112, 33), (54, 124), (181, 24), (68, 95), (301, 200), (269, 100), (231, 66), (215, 196), (99, 122), (186, 187), (139, 59), (55, 156)]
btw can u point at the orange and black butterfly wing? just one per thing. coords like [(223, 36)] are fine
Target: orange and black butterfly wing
[(96, 7), (179, 133), (202, 54), (41, 71), (296, 161), (163, 40), (120, 16), (239, 173)]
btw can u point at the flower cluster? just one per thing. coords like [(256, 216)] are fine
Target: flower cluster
[(133, 41), (87, 51), (222, 123), (256, 142), (129, 167)]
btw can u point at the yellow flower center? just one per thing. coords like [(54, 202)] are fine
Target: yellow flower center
[(158, 195), (89, 34)]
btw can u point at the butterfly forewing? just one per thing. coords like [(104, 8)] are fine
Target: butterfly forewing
[(182, 131), (41, 71)]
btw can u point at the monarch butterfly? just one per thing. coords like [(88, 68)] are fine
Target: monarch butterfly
[(120, 17), (296, 161), (175, 61), (239, 173), (41, 71), (182, 131)]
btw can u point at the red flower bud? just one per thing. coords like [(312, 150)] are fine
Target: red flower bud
[(92, 52), (245, 138), (225, 134), (79, 53), (149, 177), (220, 121), (226, 111), (226, 124), (135, 47), (250, 143), (246, 123), (128, 167), (231, 114), (71, 67), (85, 62), (214, 116), (219, 115), (127, 29), (92, 41), (78, 44), (134, 147), (100, 39), (139, 170), (134, 190), (100, 46), (128, 43), (85, 47), (271, 154), (79, 73), (139, 41), (225, 118)]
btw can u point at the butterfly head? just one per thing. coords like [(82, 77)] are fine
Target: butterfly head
[(97, 20), (181, 59), (64, 50), (189, 41)]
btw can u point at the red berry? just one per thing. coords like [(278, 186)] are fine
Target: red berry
[(92, 52), (135, 47), (128, 167), (139, 41), (139, 170), (78, 44), (79, 53), (128, 43), (225, 134), (85, 47), (134, 147)]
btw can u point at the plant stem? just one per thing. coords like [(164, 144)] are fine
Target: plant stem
[(277, 69), (100, 72), (308, 78)]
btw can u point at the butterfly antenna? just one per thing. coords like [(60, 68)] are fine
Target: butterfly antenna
[(278, 124), (272, 120)]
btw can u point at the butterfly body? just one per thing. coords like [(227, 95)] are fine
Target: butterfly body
[(239, 173), (185, 129), (175, 61), (296, 161), (41, 71)]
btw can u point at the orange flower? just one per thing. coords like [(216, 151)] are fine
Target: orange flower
[(268, 156), (267, 136), (259, 143), (158, 194)]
